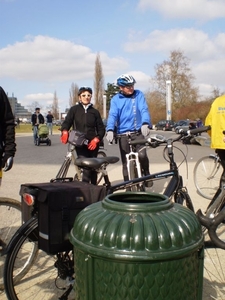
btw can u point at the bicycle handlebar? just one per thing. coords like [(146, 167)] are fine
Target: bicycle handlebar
[(155, 140), (198, 130)]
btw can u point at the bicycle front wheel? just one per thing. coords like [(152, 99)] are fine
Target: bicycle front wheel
[(10, 220), (40, 280), (207, 173)]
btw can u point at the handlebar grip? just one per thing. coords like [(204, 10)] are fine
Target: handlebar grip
[(200, 129), (139, 142)]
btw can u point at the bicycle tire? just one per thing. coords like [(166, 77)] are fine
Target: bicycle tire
[(217, 229), (207, 173), (182, 197), (26, 257), (41, 276), (214, 274), (101, 154), (10, 220)]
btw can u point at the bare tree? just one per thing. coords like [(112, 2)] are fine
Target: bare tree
[(177, 70), (73, 94), (157, 106), (55, 106), (98, 85), (33, 105)]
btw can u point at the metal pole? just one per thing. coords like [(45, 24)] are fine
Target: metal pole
[(168, 100), (104, 106)]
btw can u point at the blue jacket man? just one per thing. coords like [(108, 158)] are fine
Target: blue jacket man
[(129, 112)]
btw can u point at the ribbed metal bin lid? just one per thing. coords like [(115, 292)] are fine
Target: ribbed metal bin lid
[(137, 226)]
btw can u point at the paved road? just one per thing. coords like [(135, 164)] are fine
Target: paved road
[(39, 164)]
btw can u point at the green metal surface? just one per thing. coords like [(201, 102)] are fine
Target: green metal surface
[(137, 246)]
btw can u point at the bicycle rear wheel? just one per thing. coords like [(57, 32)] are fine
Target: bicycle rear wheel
[(10, 220), (39, 280), (207, 173)]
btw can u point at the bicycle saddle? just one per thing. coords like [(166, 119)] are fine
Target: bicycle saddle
[(95, 162)]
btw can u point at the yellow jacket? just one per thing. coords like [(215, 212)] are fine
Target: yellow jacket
[(216, 119)]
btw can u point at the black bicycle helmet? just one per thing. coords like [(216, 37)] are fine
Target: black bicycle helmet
[(125, 80)]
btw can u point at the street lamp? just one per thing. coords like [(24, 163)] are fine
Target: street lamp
[(168, 100)]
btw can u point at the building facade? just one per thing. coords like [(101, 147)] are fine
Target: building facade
[(18, 110)]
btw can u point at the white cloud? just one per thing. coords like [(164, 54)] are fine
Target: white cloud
[(188, 9), (206, 53), (193, 42), (44, 58)]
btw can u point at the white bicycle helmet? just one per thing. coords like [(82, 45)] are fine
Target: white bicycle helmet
[(125, 80)]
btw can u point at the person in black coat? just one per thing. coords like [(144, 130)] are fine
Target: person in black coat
[(86, 119), (36, 119), (7, 134)]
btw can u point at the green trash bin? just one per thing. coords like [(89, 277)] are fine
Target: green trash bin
[(137, 246)]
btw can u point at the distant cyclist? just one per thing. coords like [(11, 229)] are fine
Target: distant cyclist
[(129, 112)]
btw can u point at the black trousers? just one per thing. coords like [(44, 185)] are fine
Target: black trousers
[(142, 154), (88, 176)]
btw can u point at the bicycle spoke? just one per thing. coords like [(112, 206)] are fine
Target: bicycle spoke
[(214, 274), (30, 274), (10, 220), (207, 174)]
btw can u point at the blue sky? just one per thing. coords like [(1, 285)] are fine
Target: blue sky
[(47, 45)]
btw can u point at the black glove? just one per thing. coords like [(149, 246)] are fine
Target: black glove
[(7, 162)]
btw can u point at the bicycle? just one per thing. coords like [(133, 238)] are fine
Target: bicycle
[(28, 233), (207, 173), (10, 220), (133, 165), (71, 157)]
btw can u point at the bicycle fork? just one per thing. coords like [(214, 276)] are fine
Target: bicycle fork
[(133, 156)]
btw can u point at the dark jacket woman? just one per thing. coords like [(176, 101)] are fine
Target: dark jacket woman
[(84, 120)]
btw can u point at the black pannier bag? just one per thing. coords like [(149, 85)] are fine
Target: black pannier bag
[(58, 205)]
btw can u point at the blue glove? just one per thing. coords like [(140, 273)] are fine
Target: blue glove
[(109, 136), (145, 130)]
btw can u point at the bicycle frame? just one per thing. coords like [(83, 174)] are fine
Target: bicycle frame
[(217, 164), (175, 182)]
